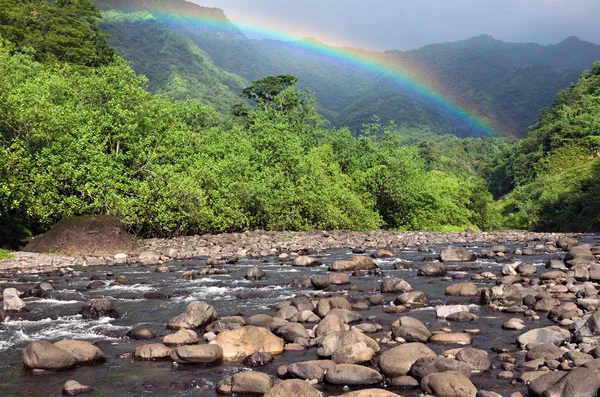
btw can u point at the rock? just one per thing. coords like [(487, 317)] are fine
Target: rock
[(293, 388), (504, 295), (445, 311), (590, 328), (197, 354), (411, 330), (395, 285), (448, 384), (550, 335), (139, 333), (286, 313), (354, 263), (227, 323), (259, 320), (188, 275), (525, 269), (457, 254), (543, 351), (306, 261), (414, 299), (250, 383), (290, 332), (240, 343), (383, 254), (74, 388), (514, 324), (97, 308), (465, 289), (400, 264), (254, 273), (197, 315), (345, 315), (83, 352), (12, 302), (324, 305), (539, 385), (156, 295), (258, 359), (181, 337), (152, 351), (399, 360), (45, 355), (339, 340), (580, 382), (307, 371), (320, 281), (328, 325), (339, 278), (358, 353), (122, 280), (477, 359), (566, 243), (372, 393), (432, 270), (457, 338), (352, 375), (461, 317), (429, 365)]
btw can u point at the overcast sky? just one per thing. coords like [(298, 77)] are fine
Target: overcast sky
[(409, 24)]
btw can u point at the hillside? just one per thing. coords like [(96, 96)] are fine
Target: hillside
[(508, 82)]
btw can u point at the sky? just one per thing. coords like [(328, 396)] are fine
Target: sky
[(410, 24)]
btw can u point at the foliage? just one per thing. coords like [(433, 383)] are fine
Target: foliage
[(4, 254), (65, 30)]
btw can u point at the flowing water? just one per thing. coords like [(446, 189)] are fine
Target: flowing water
[(56, 317)]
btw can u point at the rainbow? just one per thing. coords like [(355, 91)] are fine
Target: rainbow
[(396, 70)]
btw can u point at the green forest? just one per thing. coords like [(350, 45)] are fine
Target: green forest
[(82, 133)]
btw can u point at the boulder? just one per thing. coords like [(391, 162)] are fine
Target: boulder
[(181, 337), (339, 340), (476, 359), (354, 263), (97, 308), (432, 270), (308, 370), (453, 338), (580, 382), (320, 281), (250, 383), (324, 305), (293, 388), (292, 331), (306, 261), (254, 273), (590, 328), (411, 330), (240, 343), (445, 311), (258, 359), (11, 299), (448, 384), (347, 316), (457, 254), (429, 365), (339, 279), (358, 353), (464, 289), (371, 393), (352, 375), (502, 295), (139, 333), (395, 285), (398, 361), (83, 352), (539, 385), (227, 323), (549, 335), (197, 354), (45, 355), (197, 315), (328, 325), (74, 388), (152, 351), (382, 254), (414, 299)]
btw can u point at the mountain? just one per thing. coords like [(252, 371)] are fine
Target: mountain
[(509, 83)]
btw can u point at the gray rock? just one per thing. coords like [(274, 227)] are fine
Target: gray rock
[(477, 359), (12, 302), (198, 314), (197, 354), (352, 375), (254, 273), (74, 388), (399, 360), (395, 285), (97, 308), (411, 330), (432, 270), (448, 384), (549, 335), (457, 254), (429, 365), (45, 355)]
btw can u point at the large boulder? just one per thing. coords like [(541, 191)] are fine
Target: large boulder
[(45, 355), (464, 289), (429, 365), (181, 337), (197, 315), (324, 305), (354, 263), (580, 382), (398, 361), (328, 325), (476, 359), (152, 351), (590, 328), (240, 343), (250, 383), (357, 353), (339, 340), (255, 273), (413, 299), (227, 323), (432, 270), (448, 384), (549, 335), (502, 295), (11, 299), (395, 285), (306, 261), (74, 388), (457, 254), (309, 370), (195, 354), (293, 388), (352, 375), (84, 235), (411, 330), (97, 308), (371, 393), (83, 352)]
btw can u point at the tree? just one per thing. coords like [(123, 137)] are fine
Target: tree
[(267, 88)]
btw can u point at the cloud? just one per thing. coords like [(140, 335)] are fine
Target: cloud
[(409, 24)]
